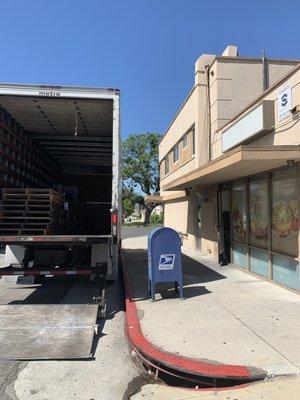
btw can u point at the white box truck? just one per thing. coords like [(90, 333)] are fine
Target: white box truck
[(60, 142)]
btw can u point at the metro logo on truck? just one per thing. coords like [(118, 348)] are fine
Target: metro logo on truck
[(50, 91), (166, 262), (47, 93)]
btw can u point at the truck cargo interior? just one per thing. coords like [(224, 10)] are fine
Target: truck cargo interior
[(56, 165)]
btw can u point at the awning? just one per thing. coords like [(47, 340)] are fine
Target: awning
[(240, 162), (153, 199)]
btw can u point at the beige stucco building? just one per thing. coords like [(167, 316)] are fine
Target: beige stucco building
[(229, 165)]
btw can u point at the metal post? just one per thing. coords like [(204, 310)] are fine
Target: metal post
[(265, 71)]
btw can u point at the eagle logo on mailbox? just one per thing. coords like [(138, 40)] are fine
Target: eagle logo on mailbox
[(166, 262)]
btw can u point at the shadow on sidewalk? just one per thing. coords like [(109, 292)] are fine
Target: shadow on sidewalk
[(195, 275)]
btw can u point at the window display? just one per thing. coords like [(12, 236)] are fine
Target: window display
[(259, 210), (239, 214), (285, 212)]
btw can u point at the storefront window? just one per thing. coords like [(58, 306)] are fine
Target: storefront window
[(239, 253), (285, 212), (239, 214), (274, 210), (259, 210), (259, 262), (286, 271)]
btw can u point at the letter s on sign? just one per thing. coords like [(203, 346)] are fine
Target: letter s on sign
[(284, 99)]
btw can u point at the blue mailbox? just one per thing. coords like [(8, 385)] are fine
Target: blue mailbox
[(164, 259)]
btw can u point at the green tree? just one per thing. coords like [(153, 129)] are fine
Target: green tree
[(140, 165), (129, 199), (128, 207)]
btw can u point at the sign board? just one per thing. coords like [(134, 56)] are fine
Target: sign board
[(284, 103), (166, 262), (257, 121)]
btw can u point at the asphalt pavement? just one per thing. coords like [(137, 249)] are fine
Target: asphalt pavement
[(107, 376), (110, 375)]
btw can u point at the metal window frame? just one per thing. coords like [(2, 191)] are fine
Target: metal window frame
[(185, 141), (193, 141), (176, 147), (167, 164)]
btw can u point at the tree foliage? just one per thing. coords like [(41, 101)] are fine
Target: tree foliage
[(140, 162), (156, 219), (128, 207), (129, 193), (141, 167), (129, 199)]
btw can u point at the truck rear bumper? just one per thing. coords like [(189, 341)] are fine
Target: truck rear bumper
[(55, 272), (54, 239), (100, 269)]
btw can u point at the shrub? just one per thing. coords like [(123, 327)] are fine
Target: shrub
[(155, 219)]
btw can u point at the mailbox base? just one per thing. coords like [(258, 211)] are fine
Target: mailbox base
[(178, 286)]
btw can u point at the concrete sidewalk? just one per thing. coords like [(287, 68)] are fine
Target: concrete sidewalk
[(227, 317)]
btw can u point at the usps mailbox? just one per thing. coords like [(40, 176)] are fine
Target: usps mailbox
[(164, 259)]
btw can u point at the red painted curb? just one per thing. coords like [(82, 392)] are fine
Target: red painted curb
[(187, 365)]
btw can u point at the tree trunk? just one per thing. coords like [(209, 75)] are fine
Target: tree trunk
[(149, 208)]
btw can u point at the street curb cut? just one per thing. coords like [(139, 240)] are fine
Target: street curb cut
[(187, 365)]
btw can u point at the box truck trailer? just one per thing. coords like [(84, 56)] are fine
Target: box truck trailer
[(60, 181)]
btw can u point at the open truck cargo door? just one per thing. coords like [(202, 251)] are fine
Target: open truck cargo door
[(60, 176), (60, 181)]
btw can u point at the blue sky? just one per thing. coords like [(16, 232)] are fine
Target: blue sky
[(147, 48)]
